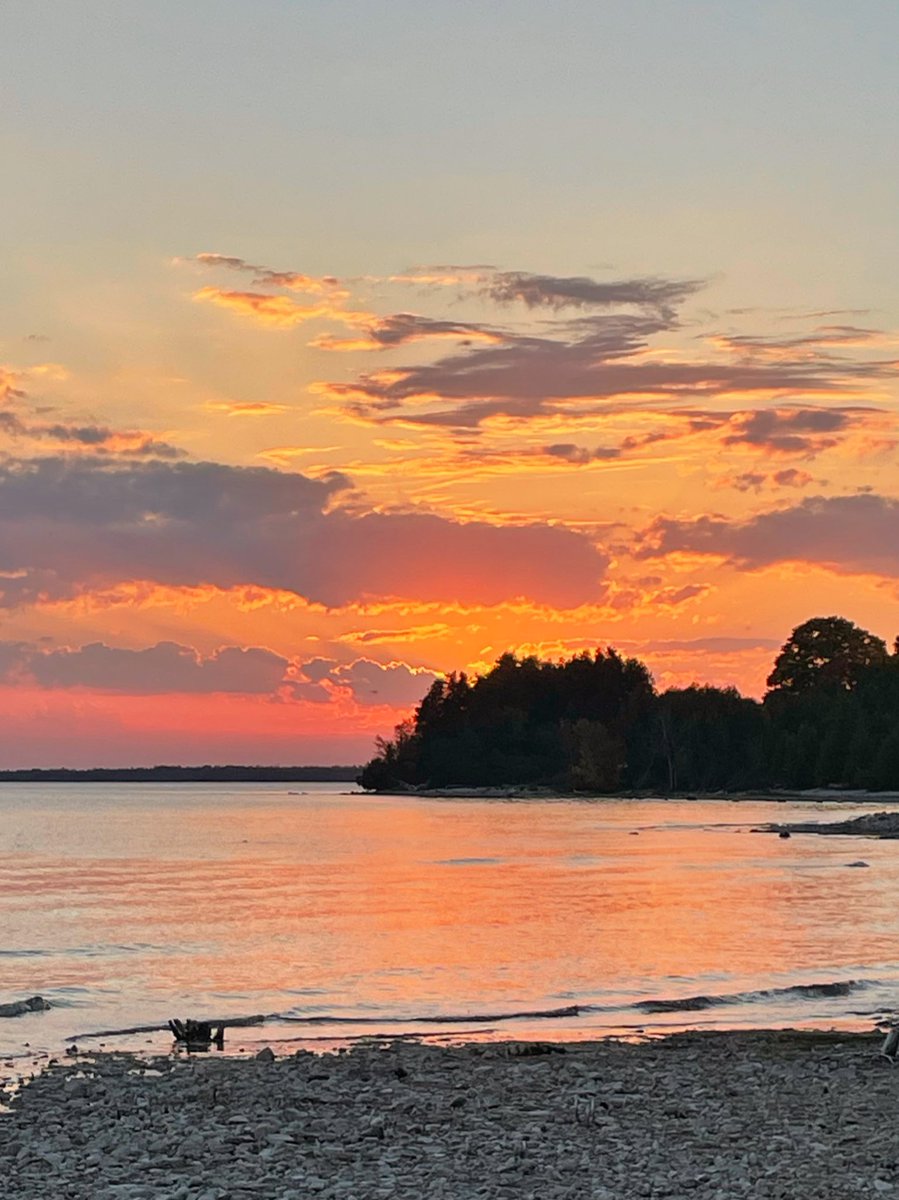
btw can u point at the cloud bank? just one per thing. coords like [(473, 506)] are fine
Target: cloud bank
[(847, 534), (71, 525)]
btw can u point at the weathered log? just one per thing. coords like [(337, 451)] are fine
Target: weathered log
[(225, 1022)]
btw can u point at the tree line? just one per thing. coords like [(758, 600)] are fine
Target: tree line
[(232, 773), (596, 723)]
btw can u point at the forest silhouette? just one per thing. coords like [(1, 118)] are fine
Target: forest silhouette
[(595, 723)]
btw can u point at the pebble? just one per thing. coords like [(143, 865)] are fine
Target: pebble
[(709, 1116)]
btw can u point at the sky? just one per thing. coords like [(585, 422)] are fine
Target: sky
[(346, 344)]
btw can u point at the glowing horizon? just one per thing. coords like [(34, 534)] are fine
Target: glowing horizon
[(298, 414)]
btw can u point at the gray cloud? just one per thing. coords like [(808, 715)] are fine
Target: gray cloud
[(399, 329), (556, 292), (169, 668), (849, 534), (17, 421), (292, 280), (580, 455), (317, 669), (165, 667), (71, 525), (756, 480), (593, 361), (816, 341), (373, 683), (803, 431), (792, 431)]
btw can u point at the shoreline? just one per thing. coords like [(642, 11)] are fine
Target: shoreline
[(758, 796), (766, 1114)]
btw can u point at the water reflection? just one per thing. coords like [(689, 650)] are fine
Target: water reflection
[(139, 903)]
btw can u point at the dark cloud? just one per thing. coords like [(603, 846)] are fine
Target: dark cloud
[(790, 477), (18, 421), (170, 668), (755, 481), (580, 455), (165, 667), (318, 669), (791, 431), (103, 440), (369, 683), (69, 525), (588, 362), (771, 431), (849, 534), (399, 329), (395, 684), (557, 292), (292, 280), (815, 342), (304, 691)]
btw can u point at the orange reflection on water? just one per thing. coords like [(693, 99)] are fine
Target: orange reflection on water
[(156, 900)]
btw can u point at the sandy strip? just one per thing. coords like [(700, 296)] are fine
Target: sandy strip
[(766, 1115)]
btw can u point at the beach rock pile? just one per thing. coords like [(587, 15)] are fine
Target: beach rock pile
[(771, 1116)]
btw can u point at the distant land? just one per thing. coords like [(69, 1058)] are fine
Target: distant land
[(173, 774)]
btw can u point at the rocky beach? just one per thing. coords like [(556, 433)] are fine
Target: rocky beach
[(763, 1114)]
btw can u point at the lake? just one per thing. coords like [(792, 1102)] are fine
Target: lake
[(347, 914)]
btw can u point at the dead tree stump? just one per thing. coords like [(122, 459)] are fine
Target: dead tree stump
[(197, 1035)]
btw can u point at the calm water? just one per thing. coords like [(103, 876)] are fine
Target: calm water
[(126, 905)]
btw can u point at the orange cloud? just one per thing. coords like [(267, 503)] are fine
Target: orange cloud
[(252, 409), (377, 637), (293, 281), (279, 311)]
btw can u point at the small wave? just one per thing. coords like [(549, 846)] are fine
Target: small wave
[(465, 862), (801, 991), (687, 1004)]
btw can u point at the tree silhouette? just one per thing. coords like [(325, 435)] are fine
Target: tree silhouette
[(595, 723), (826, 652)]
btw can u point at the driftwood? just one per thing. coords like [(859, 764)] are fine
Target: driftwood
[(198, 1035), (225, 1022)]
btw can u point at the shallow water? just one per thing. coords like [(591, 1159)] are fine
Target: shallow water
[(125, 905)]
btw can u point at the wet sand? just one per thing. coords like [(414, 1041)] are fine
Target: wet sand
[(764, 1114)]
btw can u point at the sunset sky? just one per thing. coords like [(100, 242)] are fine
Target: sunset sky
[(347, 343)]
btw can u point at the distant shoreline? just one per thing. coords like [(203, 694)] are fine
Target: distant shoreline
[(175, 774), (533, 792)]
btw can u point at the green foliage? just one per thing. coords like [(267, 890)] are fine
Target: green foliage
[(595, 723)]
